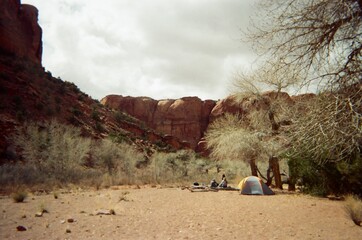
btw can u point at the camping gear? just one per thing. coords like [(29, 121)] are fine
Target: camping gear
[(254, 186)]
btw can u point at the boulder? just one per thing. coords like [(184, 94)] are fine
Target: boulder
[(227, 105)]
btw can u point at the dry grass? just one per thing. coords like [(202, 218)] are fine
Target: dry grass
[(19, 196), (353, 207)]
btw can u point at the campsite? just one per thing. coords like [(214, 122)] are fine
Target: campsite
[(180, 119), (156, 212)]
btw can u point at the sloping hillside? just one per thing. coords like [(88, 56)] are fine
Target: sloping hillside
[(29, 93)]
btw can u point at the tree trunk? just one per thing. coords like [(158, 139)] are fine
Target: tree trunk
[(268, 172), (291, 183), (275, 125), (276, 171), (253, 168), (291, 186)]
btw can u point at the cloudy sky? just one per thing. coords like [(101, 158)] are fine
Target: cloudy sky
[(156, 48)]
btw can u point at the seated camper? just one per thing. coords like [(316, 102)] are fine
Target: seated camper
[(213, 183), (224, 182)]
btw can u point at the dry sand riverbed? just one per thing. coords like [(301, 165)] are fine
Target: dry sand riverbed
[(173, 213)]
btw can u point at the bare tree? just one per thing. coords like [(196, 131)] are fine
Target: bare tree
[(267, 112), (331, 131), (227, 139), (319, 40)]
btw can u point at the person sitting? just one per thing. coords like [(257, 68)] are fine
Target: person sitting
[(213, 183), (224, 182)]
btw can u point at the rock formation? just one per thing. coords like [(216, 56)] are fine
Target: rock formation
[(29, 94), (186, 118), (20, 34)]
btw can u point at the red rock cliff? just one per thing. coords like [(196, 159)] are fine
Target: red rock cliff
[(186, 118), (20, 33)]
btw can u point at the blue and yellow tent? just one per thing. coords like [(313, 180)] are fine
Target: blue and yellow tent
[(254, 186)]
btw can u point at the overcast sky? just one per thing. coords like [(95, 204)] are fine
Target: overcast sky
[(155, 48)]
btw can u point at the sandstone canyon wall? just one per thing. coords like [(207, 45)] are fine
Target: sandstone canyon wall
[(20, 34), (186, 118)]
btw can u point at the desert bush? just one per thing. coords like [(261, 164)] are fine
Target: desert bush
[(56, 155), (121, 116), (19, 175), (54, 149), (186, 166), (75, 111), (56, 195), (74, 88), (19, 196), (99, 127), (117, 159), (95, 114), (353, 207), (15, 175), (170, 167)]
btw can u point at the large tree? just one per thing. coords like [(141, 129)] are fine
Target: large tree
[(267, 113), (255, 135), (320, 42), (228, 139)]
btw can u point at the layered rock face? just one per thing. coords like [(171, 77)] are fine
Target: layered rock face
[(20, 33), (186, 118)]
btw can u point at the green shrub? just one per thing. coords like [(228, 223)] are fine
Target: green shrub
[(327, 178), (99, 127), (75, 111), (121, 116), (120, 137), (95, 114)]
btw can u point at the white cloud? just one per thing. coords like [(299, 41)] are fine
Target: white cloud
[(158, 48)]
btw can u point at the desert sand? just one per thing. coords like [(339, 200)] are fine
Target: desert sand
[(173, 213)]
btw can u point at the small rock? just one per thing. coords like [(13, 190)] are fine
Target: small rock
[(39, 214), (106, 212), (62, 221), (70, 220), (68, 230), (21, 228)]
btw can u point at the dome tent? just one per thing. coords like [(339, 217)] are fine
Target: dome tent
[(254, 186)]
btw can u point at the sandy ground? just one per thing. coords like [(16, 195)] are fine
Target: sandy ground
[(173, 213)]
